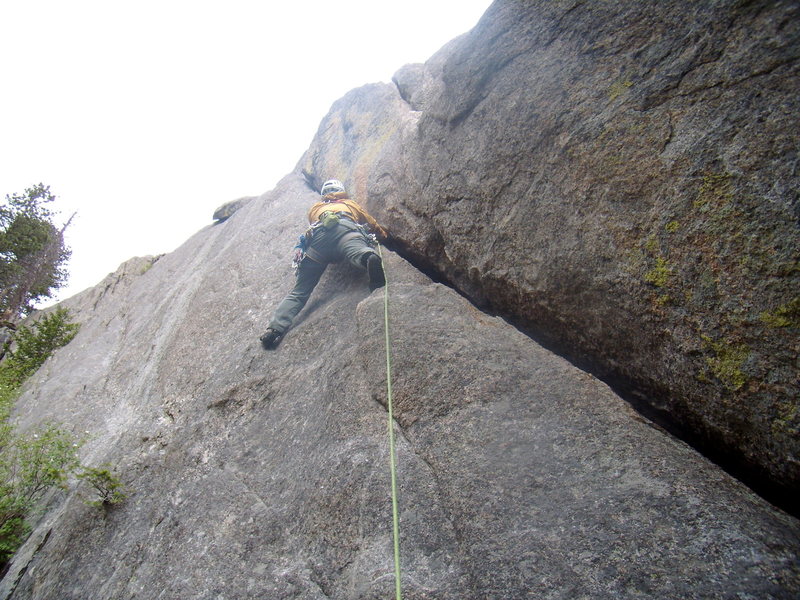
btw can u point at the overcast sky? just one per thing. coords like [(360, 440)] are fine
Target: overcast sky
[(143, 117)]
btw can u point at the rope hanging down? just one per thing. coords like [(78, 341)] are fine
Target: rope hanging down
[(392, 457)]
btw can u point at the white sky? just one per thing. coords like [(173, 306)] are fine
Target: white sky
[(146, 116)]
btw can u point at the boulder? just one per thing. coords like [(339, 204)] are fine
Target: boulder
[(226, 210)]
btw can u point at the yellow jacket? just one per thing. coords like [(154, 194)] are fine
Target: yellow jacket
[(339, 202)]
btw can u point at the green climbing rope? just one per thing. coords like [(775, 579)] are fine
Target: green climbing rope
[(392, 456)]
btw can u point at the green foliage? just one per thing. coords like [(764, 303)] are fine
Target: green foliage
[(107, 486), (39, 460), (30, 465), (32, 251), (14, 529), (34, 343), (8, 393), (34, 462)]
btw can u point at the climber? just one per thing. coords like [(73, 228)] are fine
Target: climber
[(337, 233)]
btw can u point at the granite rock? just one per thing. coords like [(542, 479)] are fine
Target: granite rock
[(616, 179), (619, 180), (255, 474)]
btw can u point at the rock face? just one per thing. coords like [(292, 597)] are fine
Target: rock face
[(258, 474), (620, 180)]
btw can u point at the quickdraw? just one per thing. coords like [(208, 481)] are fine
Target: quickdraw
[(303, 242), (299, 251)]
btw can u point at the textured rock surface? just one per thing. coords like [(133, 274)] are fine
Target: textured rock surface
[(260, 474), (619, 179), (265, 474)]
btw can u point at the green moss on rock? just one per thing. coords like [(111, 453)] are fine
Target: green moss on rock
[(659, 275), (716, 190), (787, 315), (618, 88), (726, 364), (787, 420)]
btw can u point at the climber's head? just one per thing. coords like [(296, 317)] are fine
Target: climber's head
[(331, 186)]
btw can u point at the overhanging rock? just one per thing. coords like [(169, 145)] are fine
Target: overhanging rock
[(619, 180)]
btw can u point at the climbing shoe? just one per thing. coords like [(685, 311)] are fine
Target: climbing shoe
[(271, 339), (375, 272)]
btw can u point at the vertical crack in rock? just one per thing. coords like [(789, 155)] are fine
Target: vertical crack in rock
[(662, 280)]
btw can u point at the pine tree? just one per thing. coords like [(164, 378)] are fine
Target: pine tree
[(32, 252)]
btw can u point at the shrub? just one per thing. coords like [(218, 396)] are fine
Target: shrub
[(107, 486), (30, 464), (34, 344), (34, 462)]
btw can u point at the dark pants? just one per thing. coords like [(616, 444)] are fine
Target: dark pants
[(344, 241)]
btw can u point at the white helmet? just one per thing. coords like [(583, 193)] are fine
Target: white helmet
[(331, 186)]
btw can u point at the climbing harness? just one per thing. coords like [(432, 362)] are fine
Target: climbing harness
[(392, 456), (327, 220)]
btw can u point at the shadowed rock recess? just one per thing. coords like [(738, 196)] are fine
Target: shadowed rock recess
[(616, 181)]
